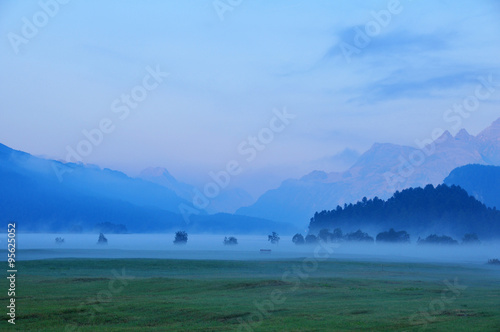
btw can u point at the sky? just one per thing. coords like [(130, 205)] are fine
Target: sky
[(282, 88)]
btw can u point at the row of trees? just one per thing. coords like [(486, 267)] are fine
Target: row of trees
[(390, 236), (337, 236), (469, 238), (181, 237)]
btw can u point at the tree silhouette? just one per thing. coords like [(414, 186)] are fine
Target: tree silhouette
[(470, 238), (298, 239), (102, 239), (359, 236), (274, 238), (181, 237), (494, 261), (393, 236), (436, 239), (230, 241)]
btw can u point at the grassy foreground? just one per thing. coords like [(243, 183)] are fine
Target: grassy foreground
[(296, 295)]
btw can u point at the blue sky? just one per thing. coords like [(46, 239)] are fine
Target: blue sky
[(226, 77)]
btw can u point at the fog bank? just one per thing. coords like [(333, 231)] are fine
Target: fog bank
[(203, 246)]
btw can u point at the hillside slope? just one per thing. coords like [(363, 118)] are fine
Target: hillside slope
[(480, 181)]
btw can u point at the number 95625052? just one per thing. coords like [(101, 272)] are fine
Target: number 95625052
[(11, 229)]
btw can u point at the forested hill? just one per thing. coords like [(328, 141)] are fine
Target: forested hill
[(438, 210)]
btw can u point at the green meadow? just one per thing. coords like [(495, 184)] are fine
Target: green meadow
[(267, 295)]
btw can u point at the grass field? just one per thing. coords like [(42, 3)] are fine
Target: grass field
[(288, 295)]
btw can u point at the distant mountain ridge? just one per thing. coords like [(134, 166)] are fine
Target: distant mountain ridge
[(380, 171), (44, 195), (480, 181)]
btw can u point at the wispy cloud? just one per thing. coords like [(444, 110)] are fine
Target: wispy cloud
[(411, 83), (397, 43)]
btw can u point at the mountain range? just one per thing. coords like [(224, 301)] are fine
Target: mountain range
[(378, 172), (43, 195), (48, 195)]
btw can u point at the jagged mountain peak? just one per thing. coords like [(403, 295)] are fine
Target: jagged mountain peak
[(446, 136), (463, 135)]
